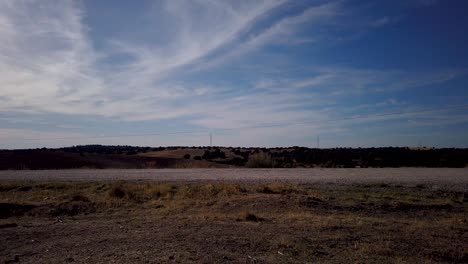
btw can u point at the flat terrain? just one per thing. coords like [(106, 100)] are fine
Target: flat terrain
[(442, 177), (234, 216)]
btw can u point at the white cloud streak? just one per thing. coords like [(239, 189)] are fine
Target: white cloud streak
[(49, 64)]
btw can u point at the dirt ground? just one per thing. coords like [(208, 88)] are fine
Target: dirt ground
[(220, 222)]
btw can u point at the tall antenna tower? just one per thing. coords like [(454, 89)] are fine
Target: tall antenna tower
[(211, 140)]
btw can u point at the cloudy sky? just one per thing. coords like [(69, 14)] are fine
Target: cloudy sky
[(252, 73)]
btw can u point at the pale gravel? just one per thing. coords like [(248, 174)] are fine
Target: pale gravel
[(450, 178)]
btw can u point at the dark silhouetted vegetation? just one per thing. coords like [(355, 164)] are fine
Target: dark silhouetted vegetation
[(101, 157), (216, 154)]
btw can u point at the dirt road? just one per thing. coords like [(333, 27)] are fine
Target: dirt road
[(443, 177)]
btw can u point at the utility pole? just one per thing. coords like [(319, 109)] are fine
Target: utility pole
[(211, 140), (318, 141)]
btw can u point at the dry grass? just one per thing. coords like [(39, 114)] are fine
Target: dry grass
[(358, 197), (366, 223), (280, 188)]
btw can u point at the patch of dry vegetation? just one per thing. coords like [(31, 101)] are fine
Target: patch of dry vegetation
[(248, 216), (371, 223), (259, 160), (381, 198)]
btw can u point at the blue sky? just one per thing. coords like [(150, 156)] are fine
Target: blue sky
[(252, 73)]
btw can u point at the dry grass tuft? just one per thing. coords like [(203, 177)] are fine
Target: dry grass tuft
[(279, 188), (208, 191), (117, 192), (250, 217), (157, 191)]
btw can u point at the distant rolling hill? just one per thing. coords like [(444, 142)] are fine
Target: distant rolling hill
[(129, 157), (59, 159)]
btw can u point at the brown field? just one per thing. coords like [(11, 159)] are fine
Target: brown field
[(174, 153), (213, 221)]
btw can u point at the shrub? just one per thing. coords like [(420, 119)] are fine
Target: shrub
[(206, 155), (259, 160), (117, 192), (159, 190), (187, 156), (217, 153)]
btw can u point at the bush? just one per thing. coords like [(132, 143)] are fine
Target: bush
[(117, 192), (197, 158), (206, 155), (216, 154), (187, 156), (259, 160)]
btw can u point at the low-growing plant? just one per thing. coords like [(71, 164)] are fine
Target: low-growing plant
[(259, 160), (159, 190), (277, 188), (117, 192)]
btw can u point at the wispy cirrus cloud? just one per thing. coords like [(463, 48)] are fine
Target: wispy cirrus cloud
[(46, 60), (50, 63), (192, 30), (349, 81), (284, 31), (62, 72)]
